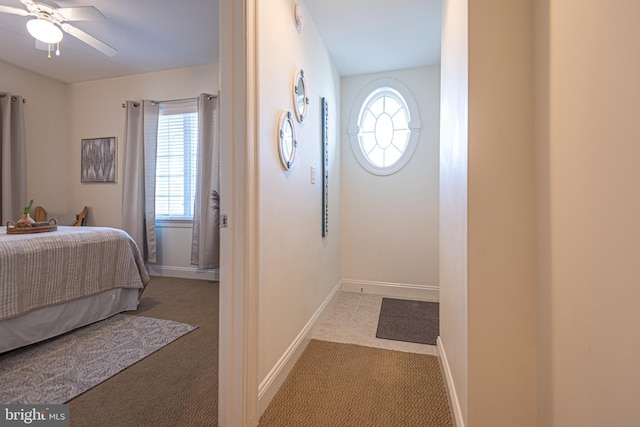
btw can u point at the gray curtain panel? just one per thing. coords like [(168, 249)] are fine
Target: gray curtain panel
[(13, 155), (205, 243), (139, 182)]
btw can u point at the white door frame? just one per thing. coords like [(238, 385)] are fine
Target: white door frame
[(237, 373)]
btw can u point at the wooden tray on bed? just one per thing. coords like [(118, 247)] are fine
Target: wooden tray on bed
[(38, 227)]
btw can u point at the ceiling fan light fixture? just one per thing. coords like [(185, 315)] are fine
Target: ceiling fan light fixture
[(44, 30)]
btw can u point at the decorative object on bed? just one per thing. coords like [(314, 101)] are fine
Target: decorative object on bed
[(300, 99), (82, 359), (41, 215), (98, 160), (30, 228), (27, 225), (52, 283), (286, 138), (26, 218)]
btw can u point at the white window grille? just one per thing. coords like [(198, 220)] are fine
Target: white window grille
[(384, 127)]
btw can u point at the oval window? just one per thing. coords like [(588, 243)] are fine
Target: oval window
[(384, 131)]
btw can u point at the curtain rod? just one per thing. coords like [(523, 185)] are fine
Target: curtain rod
[(13, 98), (137, 104)]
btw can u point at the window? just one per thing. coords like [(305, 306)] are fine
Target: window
[(384, 127), (176, 160)]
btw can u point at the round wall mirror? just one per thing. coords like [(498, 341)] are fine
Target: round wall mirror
[(300, 99), (286, 140)]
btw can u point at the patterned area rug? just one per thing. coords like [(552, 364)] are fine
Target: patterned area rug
[(58, 369)]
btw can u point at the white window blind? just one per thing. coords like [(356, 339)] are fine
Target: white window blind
[(176, 160)]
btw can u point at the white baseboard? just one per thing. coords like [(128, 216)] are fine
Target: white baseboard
[(274, 379), (398, 290), (451, 387), (183, 272)]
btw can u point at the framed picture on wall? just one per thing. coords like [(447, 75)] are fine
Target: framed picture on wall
[(98, 160)]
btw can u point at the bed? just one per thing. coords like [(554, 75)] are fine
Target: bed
[(54, 282)]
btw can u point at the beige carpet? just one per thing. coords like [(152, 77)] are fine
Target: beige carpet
[(335, 384), (177, 386)]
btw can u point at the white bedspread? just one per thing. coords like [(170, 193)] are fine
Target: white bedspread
[(44, 269)]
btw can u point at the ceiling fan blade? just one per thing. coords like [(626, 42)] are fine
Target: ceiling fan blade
[(80, 13), (49, 3), (13, 10), (88, 39)]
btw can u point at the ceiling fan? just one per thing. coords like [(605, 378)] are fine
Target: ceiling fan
[(50, 18)]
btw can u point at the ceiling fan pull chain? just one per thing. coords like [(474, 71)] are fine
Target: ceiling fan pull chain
[(49, 50)]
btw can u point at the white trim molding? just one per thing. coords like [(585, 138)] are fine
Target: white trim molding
[(274, 379), (451, 387), (238, 333), (183, 272), (399, 290)]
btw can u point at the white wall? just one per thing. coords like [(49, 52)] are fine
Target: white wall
[(47, 122), (577, 311), (454, 128), (501, 216), (553, 343), (96, 111), (59, 116), (390, 223), (588, 206), (491, 348), (298, 267)]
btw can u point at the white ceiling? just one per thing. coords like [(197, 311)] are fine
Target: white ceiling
[(378, 35), (150, 35), (154, 35)]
